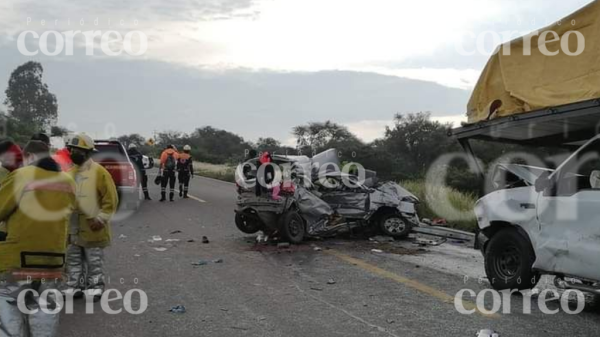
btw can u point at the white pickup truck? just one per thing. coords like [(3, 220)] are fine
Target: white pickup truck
[(541, 221)]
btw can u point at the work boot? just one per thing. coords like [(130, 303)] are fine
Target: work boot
[(180, 192), (162, 196), (171, 196), (185, 196), (147, 196)]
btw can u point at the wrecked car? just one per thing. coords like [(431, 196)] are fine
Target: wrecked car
[(311, 197), (543, 221)]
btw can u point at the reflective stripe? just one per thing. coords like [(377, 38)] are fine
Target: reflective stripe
[(47, 186)]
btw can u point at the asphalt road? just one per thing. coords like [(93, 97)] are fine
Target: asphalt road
[(343, 289)]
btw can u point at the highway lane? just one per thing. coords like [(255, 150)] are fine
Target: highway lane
[(339, 289)]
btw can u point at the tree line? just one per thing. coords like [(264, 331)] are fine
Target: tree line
[(406, 150)]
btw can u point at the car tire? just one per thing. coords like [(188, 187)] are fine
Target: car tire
[(292, 227), (509, 259), (247, 224), (394, 225)]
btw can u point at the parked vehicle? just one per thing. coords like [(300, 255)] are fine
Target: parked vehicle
[(538, 220), (311, 205), (113, 157)]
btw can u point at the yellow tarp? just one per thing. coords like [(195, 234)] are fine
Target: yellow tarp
[(529, 82)]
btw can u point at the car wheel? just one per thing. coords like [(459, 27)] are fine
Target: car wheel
[(394, 225), (292, 227), (509, 258), (247, 224)]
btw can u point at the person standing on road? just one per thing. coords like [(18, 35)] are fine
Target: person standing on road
[(36, 203), (168, 165), (185, 169), (90, 230), (11, 158), (138, 160)]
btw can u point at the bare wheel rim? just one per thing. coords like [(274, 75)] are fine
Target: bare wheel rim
[(295, 226), (508, 263), (394, 225)]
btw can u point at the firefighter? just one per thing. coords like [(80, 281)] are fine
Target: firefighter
[(185, 169), (36, 202), (138, 160), (11, 158), (168, 165), (90, 230)]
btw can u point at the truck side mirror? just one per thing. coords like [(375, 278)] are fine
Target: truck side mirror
[(543, 182)]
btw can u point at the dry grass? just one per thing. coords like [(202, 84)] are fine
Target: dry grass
[(215, 171)]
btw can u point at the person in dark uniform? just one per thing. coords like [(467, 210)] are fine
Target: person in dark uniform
[(138, 160), (185, 169)]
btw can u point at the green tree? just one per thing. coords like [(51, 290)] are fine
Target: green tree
[(133, 138), (28, 99), (316, 137)]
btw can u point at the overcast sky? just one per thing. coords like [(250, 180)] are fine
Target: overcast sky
[(260, 67)]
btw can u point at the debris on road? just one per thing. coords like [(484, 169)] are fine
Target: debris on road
[(382, 239), (176, 231), (487, 333), (317, 249), (390, 321), (424, 242), (282, 245), (178, 309), (160, 249), (156, 238), (122, 236), (191, 240), (218, 261), (376, 250), (205, 239), (331, 281), (172, 240), (200, 263), (136, 255), (316, 288)]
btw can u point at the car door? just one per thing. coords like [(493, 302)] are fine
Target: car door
[(568, 237), (346, 196)]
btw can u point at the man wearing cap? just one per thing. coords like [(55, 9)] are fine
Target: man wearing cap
[(36, 202), (138, 160), (90, 230)]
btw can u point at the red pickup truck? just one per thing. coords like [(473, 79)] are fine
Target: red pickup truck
[(113, 157)]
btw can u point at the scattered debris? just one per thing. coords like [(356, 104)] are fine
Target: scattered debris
[(331, 281), (172, 240), (218, 261), (191, 240), (122, 236), (223, 309), (261, 237), (137, 255), (317, 249), (424, 242), (205, 239), (390, 321), (382, 239), (200, 263), (283, 245), (440, 222), (487, 333), (156, 238), (316, 288), (376, 250), (176, 232), (160, 249), (178, 309)]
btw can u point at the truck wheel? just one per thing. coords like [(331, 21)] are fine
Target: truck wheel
[(292, 227), (509, 259), (247, 224), (394, 225)]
